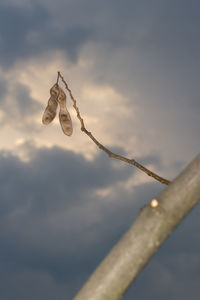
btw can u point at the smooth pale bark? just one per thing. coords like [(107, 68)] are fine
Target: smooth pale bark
[(151, 228)]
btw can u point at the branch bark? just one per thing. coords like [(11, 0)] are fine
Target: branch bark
[(156, 221)]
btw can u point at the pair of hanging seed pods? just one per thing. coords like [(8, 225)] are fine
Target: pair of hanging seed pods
[(58, 97)]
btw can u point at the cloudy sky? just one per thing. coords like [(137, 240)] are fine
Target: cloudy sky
[(134, 68)]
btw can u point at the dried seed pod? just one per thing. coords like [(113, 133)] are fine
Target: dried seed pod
[(62, 98), (54, 91), (50, 111), (58, 96), (65, 121), (64, 116)]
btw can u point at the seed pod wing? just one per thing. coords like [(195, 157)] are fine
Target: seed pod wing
[(64, 116), (62, 98), (50, 111), (65, 121)]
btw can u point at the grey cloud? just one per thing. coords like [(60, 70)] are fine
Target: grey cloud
[(41, 203), (3, 88), (27, 105), (15, 24), (70, 40), (163, 42), (18, 107), (55, 228), (159, 35), (28, 31), (156, 67)]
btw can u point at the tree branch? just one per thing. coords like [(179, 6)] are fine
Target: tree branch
[(106, 150), (156, 221)]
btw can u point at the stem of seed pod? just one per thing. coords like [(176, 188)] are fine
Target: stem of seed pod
[(58, 77)]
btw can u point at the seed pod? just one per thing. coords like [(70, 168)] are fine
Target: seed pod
[(54, 91), (62, 98), (64, 116), (65, 121), (50, 111)]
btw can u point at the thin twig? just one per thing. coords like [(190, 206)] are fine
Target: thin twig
[(58, 78), (110, 154)]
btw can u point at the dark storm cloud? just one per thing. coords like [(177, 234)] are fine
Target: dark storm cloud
[(52, 183), (17, 106), (3, 88), (172, 47), (163, 42), (164, 34), (15, 25), (28, 31), (149, 52), (49, 212), (25, 104), (58, 175), (55, 228)]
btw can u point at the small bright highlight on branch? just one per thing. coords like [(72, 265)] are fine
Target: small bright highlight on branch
[(154, 203)]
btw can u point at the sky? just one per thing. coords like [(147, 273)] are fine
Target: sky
[(133, 67)]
